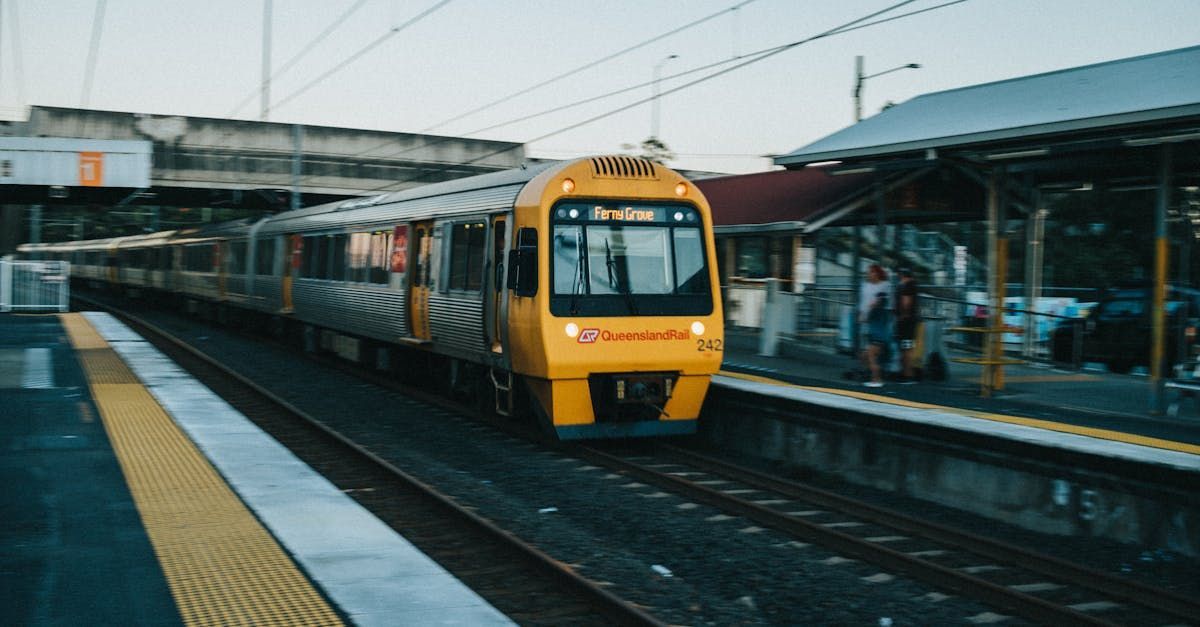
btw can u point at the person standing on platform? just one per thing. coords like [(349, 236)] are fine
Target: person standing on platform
[(907, 318), (875, 314)]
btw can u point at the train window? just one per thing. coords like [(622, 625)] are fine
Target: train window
[(381, 250), (358, 257), (337, 257), (236, 259), (420, 267), (264, 259), (320, 250), (467, 245), (522, 263), (690, 277), (568, 259), (628, 260)]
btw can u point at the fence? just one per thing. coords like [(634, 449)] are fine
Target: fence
[(34, 285), (823, 317)]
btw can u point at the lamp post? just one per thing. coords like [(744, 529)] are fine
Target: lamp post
[(654, 99), (859, 79)]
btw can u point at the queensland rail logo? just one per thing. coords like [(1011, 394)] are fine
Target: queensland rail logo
[(591, 336)]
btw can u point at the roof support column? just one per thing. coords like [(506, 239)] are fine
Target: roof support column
[(855, 289), (993, 371), (1035, 232), (1158, 313)]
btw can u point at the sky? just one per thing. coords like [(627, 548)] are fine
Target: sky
[(417, 65)]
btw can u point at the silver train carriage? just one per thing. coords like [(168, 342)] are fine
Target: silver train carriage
[(590, 284)]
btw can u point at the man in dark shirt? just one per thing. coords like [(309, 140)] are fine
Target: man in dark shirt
[(907, 317)]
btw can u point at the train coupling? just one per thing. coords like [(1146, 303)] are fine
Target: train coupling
[(622, 397)]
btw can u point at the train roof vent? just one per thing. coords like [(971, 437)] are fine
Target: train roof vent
[(624, 168)]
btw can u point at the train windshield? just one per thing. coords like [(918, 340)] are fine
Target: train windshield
[(628, 260)]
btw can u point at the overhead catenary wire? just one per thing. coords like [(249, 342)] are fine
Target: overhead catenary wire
[(93, 52), (364, 50), (856, 24), (753, 55), (590, 64), (18, 62), (312, 44)]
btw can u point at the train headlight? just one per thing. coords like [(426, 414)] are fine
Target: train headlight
[(568, 186), (572, 329), (681, 190), (698, 328)]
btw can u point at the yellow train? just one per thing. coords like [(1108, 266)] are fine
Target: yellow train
[(589, 284)]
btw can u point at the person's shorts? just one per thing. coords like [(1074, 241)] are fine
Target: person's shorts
[(906, 333)]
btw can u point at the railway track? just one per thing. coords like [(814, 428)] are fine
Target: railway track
[(517, 578), (1008, 579), (1022, 583)]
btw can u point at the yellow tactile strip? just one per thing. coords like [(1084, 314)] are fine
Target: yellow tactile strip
[(222, 566), (1103, 434)]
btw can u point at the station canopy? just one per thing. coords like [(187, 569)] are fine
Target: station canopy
[(1099, 121)]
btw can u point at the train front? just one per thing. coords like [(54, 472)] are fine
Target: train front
[(622, 329)]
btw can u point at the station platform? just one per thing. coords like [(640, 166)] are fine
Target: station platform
[(134, 496), (1088, 412)]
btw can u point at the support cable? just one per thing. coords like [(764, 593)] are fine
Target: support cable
[(586, 66), (296, 58), (354, 57), (856, 24)]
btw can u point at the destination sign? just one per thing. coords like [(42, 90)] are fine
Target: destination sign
[(627, 214), (643, 214)]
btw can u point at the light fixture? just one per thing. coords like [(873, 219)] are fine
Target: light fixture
[(568, 186), (1018, 154)]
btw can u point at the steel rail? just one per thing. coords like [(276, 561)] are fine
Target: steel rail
[(1133, 592), (1019, 603)]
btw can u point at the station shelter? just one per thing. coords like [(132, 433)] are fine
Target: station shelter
[(1128, 126)]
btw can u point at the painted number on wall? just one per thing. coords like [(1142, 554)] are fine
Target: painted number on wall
[(91, 169)]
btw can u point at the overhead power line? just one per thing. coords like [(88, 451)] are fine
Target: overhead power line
[(856, 24), (585, 66), (354, 57), (639, 86), (299, 55), (93, 52)]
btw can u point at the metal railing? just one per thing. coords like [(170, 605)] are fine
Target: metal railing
[(822, 317), (34, 285)]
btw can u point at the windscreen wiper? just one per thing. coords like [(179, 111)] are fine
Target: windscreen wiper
[(614, 279), (577, 283)]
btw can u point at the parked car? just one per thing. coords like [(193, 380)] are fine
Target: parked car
[(1118, 330)]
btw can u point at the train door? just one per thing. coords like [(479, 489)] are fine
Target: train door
[(291, 266), (221, 266), (495, 286), (418, 290)]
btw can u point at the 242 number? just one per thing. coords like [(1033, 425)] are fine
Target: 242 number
[(714, 346)]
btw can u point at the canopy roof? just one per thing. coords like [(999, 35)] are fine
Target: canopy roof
[(1145, 94)]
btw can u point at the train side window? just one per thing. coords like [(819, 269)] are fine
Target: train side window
[(264, 262), (337, 257), (359, 257), (381, 249), (421, 258), (467, 245), (237, 258), (522, 263)]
